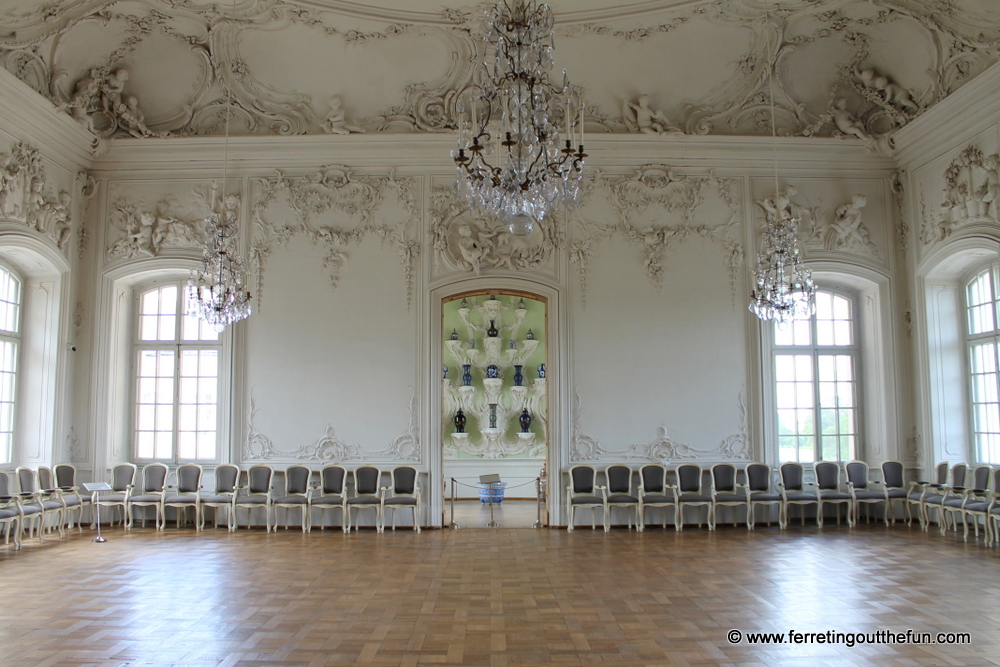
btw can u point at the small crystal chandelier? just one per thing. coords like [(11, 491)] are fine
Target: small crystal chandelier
[(784, 286), (217, 292), (511, 161)]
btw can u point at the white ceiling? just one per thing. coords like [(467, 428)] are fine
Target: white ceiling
[(398, 66)]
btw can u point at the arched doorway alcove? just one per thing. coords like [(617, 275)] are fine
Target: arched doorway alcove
[(493, 379)]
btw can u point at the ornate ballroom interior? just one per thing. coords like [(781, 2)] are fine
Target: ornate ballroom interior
[(328, 129)]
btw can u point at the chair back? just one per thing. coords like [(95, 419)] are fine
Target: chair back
[(227, 476), (981, 476), (154, 477), (333, 478), (857, 474), (996, 481), (4, 484), (892, 474), (792, 476), (189, 478), (123, 476), (941, 473), (46, 480), (689, 478), (758, 477), (366, 480), (958, 473), (724, 477), (297, 480), (404, 480), (653, 478), (25, 479), (581, 479), (65, 475), (619, 479), (827, 475), (259, 478)]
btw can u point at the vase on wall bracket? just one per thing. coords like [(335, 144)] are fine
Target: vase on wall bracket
[(541, 371), (466, 375), (518, 375), (492, 332), (492, 371), (493, 415), (454, 334), (525, 421)]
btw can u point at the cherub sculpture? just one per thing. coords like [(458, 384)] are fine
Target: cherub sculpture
[(845, 121), (640, 117)]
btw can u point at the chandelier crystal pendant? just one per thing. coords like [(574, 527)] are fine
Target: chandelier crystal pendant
[(784, 288), (216, 292), (511, 160)]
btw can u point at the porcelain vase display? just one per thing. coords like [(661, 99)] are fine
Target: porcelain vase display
[(518, 375), (454, 334), (445, 372), (492, 331), (492, 371), (493, 415), (541, 371), (466, 374), (525, 420), (460, 421)]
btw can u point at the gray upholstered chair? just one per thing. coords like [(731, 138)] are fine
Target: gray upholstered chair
[(367, 494), (186, 494), (793, 490), (405, 494), (48, 488), (122, 485), (725, 492), (152, 490), (296, 496), (759, 492), (828, 492), (619, 479), (45, 500), (331, 494), (895, 489), (583, 492), (227, 477), (921, 489), (72, 500), (979, 501), (10, 512), (690, 494), (952, 491), (256, 494), (863, 490), (654, 491)]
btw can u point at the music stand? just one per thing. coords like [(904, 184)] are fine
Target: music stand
[(490, 481), (95, 488)]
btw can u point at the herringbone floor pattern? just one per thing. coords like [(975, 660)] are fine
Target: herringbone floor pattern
[(493, 597)]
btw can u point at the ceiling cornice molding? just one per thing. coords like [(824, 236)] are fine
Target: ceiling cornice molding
[(30, 117), (968, 111), (254, 155)]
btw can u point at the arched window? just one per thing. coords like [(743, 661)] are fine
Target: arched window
[(176, 379), (982, 330), (816, 376), (10, 345)]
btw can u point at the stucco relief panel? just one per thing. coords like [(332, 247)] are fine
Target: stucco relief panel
[(28, 196)]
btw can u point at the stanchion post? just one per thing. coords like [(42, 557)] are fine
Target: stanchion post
[(453, 524), (538, 503)]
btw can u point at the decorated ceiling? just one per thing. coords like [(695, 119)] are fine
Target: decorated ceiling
[(858, 69)]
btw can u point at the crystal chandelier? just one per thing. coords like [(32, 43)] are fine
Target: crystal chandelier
[(217, 292), (784, 286), (511, 161)]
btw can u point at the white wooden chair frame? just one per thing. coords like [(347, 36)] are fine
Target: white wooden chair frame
[(786, 502), (753, 496), (627, 505), (182, 507), (321, 493), (303, 506), (681, 503), (667, 491), (229, 494), (415, 495), (716, 503), (73, 491), (125, 494), (267, 495), (592, 506), (869, 483), (131, 502), (45, 501)]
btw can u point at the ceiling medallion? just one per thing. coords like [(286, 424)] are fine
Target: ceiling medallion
[(511, 160)]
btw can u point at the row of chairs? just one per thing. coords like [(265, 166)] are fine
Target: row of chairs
[(654, 491), (956, 492), (330, 492), (47, 499)]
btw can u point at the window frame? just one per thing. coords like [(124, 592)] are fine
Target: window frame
[(971, 340), (16, 338), (136, 345), (855, 350)]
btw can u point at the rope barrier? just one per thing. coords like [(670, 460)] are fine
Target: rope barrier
[(539, 492)]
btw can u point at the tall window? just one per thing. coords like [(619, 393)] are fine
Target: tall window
[(10, 340), (816, 392), (982, 330), (176, 380)]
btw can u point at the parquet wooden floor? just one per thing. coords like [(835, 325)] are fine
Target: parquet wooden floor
[(493, 597)]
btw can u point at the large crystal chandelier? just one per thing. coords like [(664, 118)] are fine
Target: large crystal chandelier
[(511, 160), (217, 291), (784, 288)]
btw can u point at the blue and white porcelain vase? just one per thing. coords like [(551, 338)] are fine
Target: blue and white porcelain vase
[(530, 335), (518, 375), (454, 334), (466, 375), (493, 415), (525, 420), (445, 372), (541, 371), (492, 371)]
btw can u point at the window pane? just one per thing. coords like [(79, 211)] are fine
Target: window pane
[(979, 295)]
